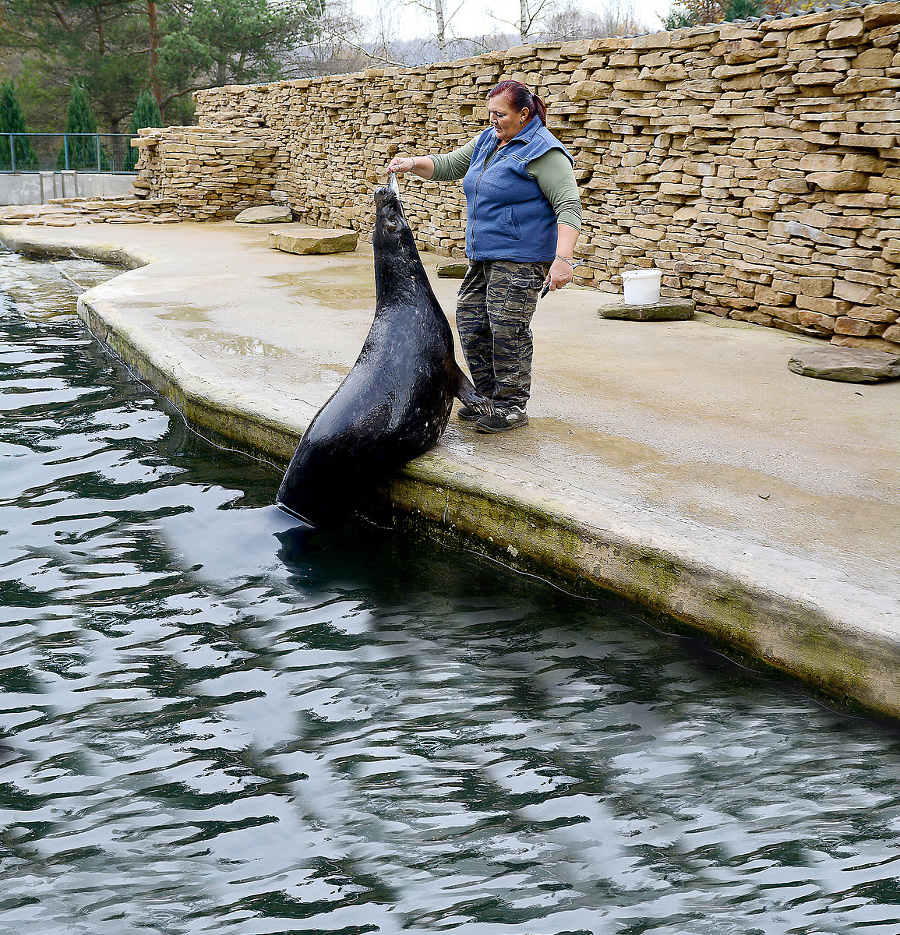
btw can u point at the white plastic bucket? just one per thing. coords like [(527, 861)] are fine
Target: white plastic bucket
[(641, 286)]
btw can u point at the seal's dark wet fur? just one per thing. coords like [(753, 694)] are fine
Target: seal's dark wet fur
[(395, 402)]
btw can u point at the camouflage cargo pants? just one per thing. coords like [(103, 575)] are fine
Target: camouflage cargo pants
[(494, 308)]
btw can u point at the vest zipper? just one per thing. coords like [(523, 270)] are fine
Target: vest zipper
[(475, 199)]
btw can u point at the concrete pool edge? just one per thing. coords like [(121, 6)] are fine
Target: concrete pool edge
[(782, 610)]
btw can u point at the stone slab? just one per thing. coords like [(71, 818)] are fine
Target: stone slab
[(847, 364), (265, 214), (304, 240), (452, 270), (664, 310)]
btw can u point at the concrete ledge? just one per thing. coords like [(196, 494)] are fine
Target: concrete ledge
[(778, 609), (787, 611)]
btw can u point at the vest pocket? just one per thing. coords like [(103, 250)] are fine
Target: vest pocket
[(512, 223)]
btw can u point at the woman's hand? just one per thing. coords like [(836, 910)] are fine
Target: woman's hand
[(402, 164), (422, 166), (563, 269), (561, 273)]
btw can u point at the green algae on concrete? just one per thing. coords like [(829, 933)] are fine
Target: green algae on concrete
[(799, 635)]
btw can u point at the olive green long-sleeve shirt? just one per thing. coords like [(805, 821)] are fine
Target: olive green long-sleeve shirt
[(552, 171)]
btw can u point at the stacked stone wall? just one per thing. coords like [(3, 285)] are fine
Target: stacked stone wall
[(209, 172), (757, 163)]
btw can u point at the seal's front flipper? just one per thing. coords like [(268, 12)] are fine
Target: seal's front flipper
[(469, 396)]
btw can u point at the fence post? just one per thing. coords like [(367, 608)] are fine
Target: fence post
[(98, 152), (66, 149), (12, 153)]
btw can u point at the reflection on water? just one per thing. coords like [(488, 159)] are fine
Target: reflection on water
[(212, 723), (236, 345)]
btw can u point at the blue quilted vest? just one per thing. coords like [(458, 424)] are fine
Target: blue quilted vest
[(508, 217)]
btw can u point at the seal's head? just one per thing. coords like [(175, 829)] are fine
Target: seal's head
[(397, 263), (390, 221)]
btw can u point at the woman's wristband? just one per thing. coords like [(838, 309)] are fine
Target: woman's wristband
[(566, 259)]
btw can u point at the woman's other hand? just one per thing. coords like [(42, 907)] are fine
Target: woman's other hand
[(561, 273)]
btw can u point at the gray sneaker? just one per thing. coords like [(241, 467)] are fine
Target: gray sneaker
[(467, 414), (510, 417)]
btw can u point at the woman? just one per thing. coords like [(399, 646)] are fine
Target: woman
[(523, 217)]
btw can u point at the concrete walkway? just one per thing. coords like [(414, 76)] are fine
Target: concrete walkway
[(680, 464)]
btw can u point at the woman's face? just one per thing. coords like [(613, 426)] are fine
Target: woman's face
[(505, 120)]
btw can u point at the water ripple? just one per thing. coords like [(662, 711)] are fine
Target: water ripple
[(213, 723)]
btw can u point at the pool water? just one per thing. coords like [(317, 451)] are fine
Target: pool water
[(214, 723)]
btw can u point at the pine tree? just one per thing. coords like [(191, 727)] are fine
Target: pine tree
[(80, 152), (12, 120), (146, 114), (742, 9)]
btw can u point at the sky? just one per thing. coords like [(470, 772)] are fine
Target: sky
[(472, 17)]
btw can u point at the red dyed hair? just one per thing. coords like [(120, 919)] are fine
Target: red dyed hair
[(520, 97)]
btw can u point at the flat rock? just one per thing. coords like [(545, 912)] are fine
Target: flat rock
[(265, 214), (313, 240), (664, 310), (452, 270), (847, 364)]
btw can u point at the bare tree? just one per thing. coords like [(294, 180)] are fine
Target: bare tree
[(557, 21), (530, 12), (443, 12), (343, 43), (565, 23), (346, 42)]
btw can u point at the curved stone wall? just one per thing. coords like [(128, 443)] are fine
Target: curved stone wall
[(757, 164)]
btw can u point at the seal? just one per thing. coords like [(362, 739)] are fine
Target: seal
[(396, 401)]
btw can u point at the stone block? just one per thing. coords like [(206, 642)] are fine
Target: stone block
[(872, 344), (858, 328), (860, 85), (848, 365), (821, 162), (832, 307), (891, 251), (664, 310), (265, 214), (867, 140), (798, 229), (823, 324), (886, 185), (452, 270), (584, 91), (846, 29), (860, 162), (882, 14), (839, 181), (305, 240), (857, 292)]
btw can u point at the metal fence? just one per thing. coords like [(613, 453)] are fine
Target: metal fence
[(63, 152)]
